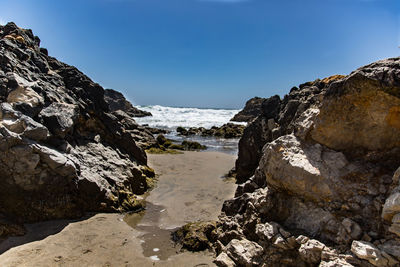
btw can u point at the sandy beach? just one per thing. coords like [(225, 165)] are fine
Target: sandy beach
[(190, 188), (302, 98)]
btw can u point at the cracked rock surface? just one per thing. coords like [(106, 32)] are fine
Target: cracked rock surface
[(318, 175), (63, 150)]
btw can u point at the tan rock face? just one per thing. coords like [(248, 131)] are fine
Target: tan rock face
[(327, 174), (367, 251), (333, 78), (392, 206), (310, 171), (311, 251), (361, 114), (223, 260), (24, 93), (245, 252)]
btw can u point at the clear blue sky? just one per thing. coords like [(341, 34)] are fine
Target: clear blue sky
[(210, 53)]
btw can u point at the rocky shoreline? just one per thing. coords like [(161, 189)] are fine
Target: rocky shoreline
[(317, 171), (228, 130), (64, 149), (168, 146), (318, 177), (183, 193)]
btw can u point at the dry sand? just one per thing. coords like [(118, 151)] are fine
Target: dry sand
[(190, 188)]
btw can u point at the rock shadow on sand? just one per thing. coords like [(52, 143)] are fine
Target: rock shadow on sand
[(39, 231)]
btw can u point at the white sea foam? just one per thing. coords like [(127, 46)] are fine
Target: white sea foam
[(172, 117), (155, 258)]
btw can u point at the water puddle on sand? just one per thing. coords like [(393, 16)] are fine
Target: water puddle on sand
[(189, 189), (156, 242)]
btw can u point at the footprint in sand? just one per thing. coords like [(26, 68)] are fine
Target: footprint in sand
[(57, 258), (85, 251), (101, 219)]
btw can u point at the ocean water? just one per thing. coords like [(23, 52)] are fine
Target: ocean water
[(169, 118)]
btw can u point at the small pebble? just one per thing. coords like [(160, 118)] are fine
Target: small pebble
[(155, 258)]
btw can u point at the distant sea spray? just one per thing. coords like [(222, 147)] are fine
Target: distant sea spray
[(172, 117)]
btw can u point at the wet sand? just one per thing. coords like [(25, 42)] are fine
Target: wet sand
[(190, 188)]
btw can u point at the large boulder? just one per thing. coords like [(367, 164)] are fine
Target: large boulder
[(362, 111), (367, 251), (310, 171), (276, 118), (63, 151), (194, 236), (319, 177), (244, 252), (59, 118)]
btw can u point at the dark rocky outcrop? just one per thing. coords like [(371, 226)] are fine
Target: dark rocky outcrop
[(250, 111), (325, 190), (228, 130), (195, 236), (62, 150), (156, 130), (116, 101), (168, 146), (192, 145)]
